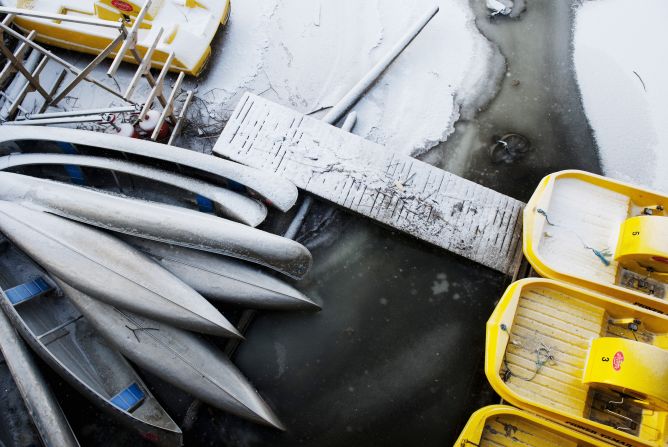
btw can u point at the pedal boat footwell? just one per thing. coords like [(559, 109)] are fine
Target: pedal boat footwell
[(505, 426), (543, 355), (573, 232)]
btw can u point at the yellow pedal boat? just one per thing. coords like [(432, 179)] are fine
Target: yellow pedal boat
[(188, 27), (505, 426), (601, 234), (593, 363)]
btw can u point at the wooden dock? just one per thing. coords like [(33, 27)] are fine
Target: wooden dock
[(396, 190)]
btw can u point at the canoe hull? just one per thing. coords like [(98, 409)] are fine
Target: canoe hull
[(178, 357)]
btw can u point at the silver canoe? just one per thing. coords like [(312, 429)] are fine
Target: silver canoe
[(276, 190), (158, 221), (46, 414), (70, 345), (231, 204), (178, 357), (109, 269), (224, 279)]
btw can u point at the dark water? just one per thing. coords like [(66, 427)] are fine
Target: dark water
[(395, 356)]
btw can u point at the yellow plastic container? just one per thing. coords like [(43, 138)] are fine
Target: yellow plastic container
[(505, 426), (188, 27), (579, 228), (593, 363)]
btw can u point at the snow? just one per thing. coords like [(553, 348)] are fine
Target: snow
[(621, 69), (306, 54)]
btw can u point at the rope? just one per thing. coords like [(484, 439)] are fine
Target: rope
[(543, 356), (602, 255)]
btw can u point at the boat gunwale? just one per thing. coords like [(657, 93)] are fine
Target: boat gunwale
[(476, 424), (532, 225)]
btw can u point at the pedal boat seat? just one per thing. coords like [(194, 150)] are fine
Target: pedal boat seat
[(643, 244), (631, 368)]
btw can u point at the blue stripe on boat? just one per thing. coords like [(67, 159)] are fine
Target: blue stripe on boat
[(24, 292), (75, 172), (129, 398), (205, 205)]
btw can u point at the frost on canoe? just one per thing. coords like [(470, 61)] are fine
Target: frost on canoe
[(109, 269), (231, 204), (156, 221), (178, 357), (276, 190)]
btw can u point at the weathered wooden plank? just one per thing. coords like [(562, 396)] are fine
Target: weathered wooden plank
[(396, 190)]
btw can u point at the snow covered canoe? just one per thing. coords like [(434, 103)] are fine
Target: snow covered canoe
[(602, 234), (188, 27), (505, 426), (179, 357), (594, 363), (68, 343)]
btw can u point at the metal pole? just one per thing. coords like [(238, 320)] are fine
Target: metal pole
[(34, 116), (84, 73), (55, 58), (42, 405), (23, 70), (60, 17), (345, 103)]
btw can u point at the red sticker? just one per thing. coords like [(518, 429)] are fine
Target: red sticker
[(660, 259), (617, 360), (123, 6)]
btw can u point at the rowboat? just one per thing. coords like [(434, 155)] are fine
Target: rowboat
[(66, 341), (187, 27), (14, 415), (585, 360), (601, 234), (109, 269), (178, 357), (224, 280), (505, 426)]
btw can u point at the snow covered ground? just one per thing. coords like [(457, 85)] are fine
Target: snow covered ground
[(621, 69), (307, 53)]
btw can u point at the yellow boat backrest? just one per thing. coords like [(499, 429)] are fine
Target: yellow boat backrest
[(643, 244), (630, 367)]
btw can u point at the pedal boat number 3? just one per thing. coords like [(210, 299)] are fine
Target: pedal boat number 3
[(590, 362), (601, 234), (188, 27), (505, 426)]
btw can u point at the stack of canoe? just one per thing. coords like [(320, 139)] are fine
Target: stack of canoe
[(583, 353), (116, 249)]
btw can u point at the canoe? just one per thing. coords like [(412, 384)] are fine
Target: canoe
[(273, 189), (594, 363), (19, 430), (229, 203), (601, 234), (157, 221), (45, 412), (179, 357), (505, 426), (66, 341), (224, 279), (109, 269), (188, 27)]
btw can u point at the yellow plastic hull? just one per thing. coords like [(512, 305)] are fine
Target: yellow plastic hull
[(538, 339), (505, 426), (191, 46), (585, 213)]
